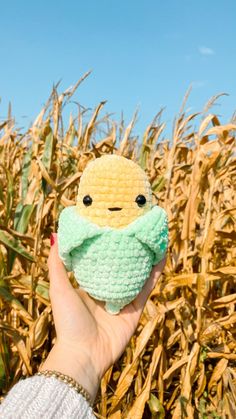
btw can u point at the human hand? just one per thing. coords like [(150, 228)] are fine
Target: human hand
[(89, 340)]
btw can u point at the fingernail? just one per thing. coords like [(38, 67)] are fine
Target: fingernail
[(52, 239)]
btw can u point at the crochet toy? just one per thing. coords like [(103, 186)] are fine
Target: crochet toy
[(114, 234)]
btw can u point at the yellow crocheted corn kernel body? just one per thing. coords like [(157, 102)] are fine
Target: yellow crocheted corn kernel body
[(113, 183)]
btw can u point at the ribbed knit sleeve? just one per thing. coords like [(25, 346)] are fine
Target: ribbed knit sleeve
[(44, 397)]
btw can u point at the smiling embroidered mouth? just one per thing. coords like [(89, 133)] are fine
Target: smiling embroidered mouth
[(115, 209)]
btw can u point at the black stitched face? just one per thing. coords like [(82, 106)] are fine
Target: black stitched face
[(87, 200), (141, 200)]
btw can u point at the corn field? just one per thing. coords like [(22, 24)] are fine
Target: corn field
[(181, 363)]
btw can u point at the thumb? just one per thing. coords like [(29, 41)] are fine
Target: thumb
[(150, 284)]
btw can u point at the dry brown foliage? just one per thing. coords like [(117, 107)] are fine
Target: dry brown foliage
[(181, 361)]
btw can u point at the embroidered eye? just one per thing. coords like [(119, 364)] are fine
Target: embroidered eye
[(141, 200), (87, 200)]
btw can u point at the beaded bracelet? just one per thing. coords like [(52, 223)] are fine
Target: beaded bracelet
[(68, 380)]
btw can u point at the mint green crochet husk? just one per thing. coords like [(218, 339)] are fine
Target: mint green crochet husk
[(112, 265)]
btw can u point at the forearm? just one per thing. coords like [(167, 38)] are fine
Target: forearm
[(74, 363), (48, 397)]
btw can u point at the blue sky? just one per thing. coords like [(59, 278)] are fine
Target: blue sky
[(143, 54)]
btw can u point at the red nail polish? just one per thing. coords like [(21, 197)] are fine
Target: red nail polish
[(52, 239)]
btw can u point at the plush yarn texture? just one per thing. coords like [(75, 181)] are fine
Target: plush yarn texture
[(113, 182), (112, 244)]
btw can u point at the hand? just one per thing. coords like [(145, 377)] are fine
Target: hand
[(89, 340)]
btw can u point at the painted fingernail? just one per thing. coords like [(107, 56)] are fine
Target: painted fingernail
[(52, 239)]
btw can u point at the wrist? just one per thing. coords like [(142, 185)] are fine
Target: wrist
[(74, 363)]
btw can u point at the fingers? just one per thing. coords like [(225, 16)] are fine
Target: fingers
[(59, 281)]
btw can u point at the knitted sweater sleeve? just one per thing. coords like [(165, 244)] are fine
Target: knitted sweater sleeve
[(44, 397)]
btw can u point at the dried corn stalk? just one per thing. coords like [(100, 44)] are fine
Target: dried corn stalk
[(181, 361)]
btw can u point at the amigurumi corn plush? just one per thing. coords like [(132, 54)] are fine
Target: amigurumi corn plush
[(114, 234)]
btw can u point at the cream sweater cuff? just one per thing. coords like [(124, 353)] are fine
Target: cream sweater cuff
[(44, 397)]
